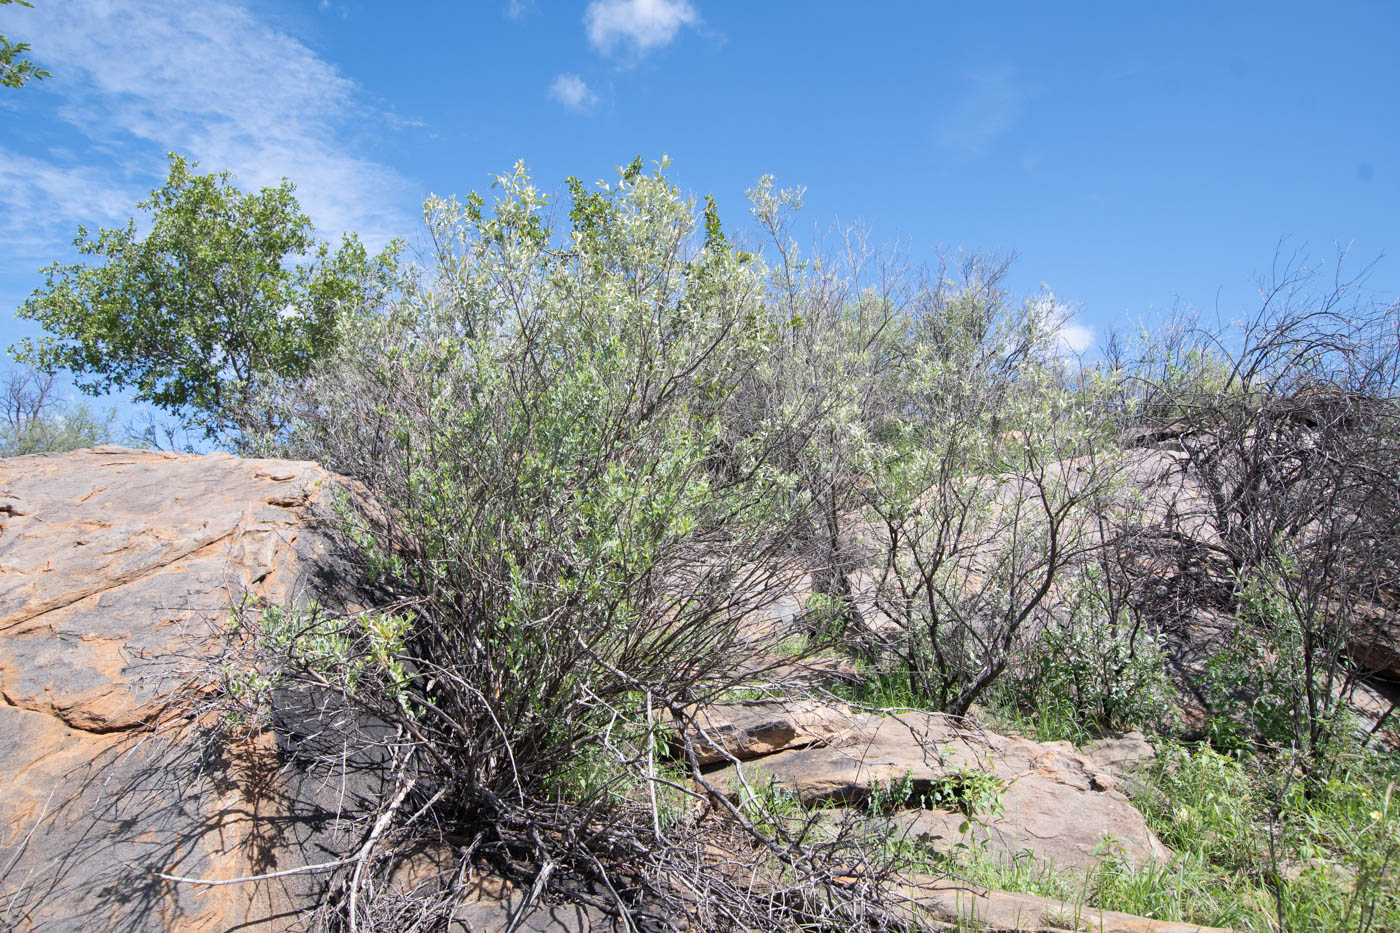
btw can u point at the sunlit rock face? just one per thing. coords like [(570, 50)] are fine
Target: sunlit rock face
[(1056, 803), (118, 570)]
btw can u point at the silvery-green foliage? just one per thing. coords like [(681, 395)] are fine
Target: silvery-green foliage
[(539, 415), (979, 499), (931, 413), (69, 428)]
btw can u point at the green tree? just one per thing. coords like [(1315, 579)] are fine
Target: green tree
[(14, 69), (228, 292)]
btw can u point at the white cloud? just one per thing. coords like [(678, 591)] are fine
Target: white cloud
[(1073, 339), (573, 92), (986, 112), (641, 24), (142, 77), (517, 9)]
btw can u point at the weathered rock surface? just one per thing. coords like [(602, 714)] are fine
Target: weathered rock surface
[(117, 570), (1126, 758), (1057, 804), (116, 567), (761, 727), (1121, 754), (1375, 643), (958, 906)]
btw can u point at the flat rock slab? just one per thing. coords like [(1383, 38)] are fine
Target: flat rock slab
[(1072, 832), (116, 569), (1057, 805), (961, 906), (1121, 754), (755, 728)]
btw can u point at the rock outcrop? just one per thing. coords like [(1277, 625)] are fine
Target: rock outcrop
[(119, 571), (116, 567), (751, 729), (1052, 802), (944, 904)]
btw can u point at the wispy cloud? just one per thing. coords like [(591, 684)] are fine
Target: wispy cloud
[(636, 25), (208, 80), (573, 92), (42, 200), (986, 111), (518, 9)]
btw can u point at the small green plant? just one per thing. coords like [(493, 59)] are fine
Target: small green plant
[(1277, 688), (596, 775), (973, 793), (305, 644), (885, 689), (889, 796), (1259, 848), (1204, 803), (828, 617), (1022, 872)]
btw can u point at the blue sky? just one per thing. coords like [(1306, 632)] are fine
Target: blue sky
[(1134, 156)]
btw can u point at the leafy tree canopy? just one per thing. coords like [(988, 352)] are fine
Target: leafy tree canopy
[(227, 293), (15, 70)]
